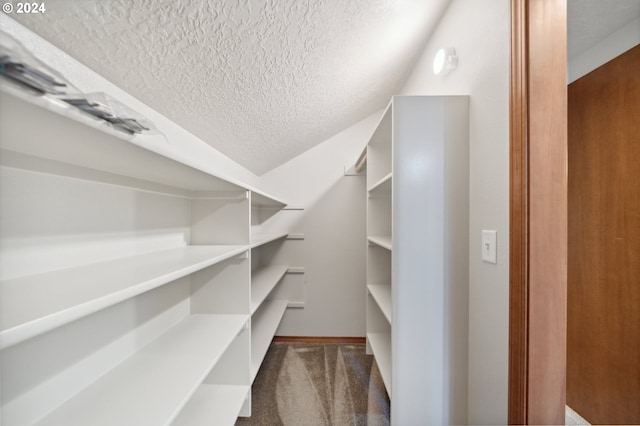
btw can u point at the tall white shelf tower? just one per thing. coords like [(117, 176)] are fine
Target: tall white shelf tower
[(417, 256)]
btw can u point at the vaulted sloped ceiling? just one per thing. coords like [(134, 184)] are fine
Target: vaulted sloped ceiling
[(590, 21), (260, 80)]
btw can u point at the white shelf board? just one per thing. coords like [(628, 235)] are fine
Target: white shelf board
[(213, 405), (263, 281), (382, 132), (152, 386), (260, 199), (384, 242), (76, 138), (382, 295), (264, 324), (261, 238), (34, 304), (381, 346), (382, 186)]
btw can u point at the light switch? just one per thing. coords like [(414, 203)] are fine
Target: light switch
[(489, 246)]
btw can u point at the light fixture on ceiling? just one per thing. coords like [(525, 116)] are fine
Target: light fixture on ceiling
[(445, 61)]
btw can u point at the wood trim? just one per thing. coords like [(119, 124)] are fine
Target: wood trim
[(538, 212), (320, 339), (518, 216)]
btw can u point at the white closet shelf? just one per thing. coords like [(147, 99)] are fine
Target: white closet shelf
[(213, 405), (382, 133), (382, 295), (261, 238), (89, 144), (152, 386), (34, 304), (381, 346), (383, 186), (384, 242), (75, 138), (263, 281), (261, 200), (264, 324)]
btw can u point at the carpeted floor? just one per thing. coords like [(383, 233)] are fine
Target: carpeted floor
[(318, 384)]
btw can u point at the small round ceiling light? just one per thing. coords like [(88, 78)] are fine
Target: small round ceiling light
[(445, 61)]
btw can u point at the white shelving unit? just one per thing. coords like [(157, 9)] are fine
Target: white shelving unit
[(417, 255), (265, 321), (221, 402), (261, 238), (43, 302), (137, 390), (384, 242), (381, 346), (382, 187), (263, 281), (266, 311), (382, 296), (130, 291)]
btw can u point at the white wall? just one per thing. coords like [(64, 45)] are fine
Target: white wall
[(479, 31), (605, 50), (334, 204), (334, 226)]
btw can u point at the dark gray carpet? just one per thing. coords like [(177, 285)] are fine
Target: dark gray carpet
[(308, 384)]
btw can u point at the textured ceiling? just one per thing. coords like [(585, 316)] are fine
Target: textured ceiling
[(262, 81), (589, 21)]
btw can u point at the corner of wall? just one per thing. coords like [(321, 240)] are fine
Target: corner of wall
[(333, 250)]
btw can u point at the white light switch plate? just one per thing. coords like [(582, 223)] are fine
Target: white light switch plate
[(489, 246)]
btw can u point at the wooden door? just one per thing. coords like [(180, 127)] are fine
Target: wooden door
[(603, 312)]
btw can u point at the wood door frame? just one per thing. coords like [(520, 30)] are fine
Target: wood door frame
[(538, 213)]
